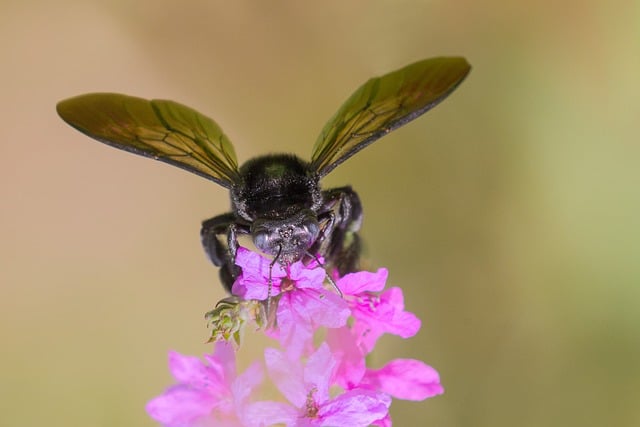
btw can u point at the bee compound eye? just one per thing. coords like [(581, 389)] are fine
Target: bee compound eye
[(312, 229), (261, 240)]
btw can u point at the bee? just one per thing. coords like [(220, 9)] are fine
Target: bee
[(276, 199)]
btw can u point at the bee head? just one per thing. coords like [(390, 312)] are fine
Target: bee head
[(287, 239)]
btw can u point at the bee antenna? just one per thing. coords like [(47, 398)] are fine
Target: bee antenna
[(270, 283), (333, 283)]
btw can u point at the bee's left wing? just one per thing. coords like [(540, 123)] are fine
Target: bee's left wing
[(162, 130), (383, 104)]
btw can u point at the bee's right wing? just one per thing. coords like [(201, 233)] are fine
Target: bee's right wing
[(162, 130), (383, 104)]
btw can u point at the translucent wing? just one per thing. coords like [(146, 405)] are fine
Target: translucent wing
[(383, 104), (163, 130)]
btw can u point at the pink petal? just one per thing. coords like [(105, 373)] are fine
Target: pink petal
[(351, 360), (190, 370), (223, 358), (256, 270), (319, 371), (295, 331), (406, 379), (374, 317), (262, 414), (244, 384), (357, 407), (384, 422), (180, 406), (404, 323), (287, 375), (324, 308), (302, 311), (249, 261), (248, 289), (307, 278), (367, 334), (363, 281), (255, 265)]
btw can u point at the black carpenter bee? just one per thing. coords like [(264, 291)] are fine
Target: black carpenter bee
[(277, 198)]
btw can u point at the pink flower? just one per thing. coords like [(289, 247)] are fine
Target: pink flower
[(253, 283), (304, 303), (376, 314), (307, 390), (207, 394)]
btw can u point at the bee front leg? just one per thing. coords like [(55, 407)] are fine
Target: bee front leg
[(340, 242), (219, 240)]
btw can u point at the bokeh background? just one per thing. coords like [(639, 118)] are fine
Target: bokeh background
[(509, 214)]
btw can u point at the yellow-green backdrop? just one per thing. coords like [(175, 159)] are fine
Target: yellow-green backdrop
[(509, 214)]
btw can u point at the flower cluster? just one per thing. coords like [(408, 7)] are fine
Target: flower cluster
[(321, 384)]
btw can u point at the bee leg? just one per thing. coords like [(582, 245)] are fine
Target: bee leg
[(222, 251), (340, 242)]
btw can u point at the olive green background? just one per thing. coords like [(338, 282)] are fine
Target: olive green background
[(509, 214)]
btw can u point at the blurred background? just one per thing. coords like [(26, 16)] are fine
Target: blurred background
[(509, 214)]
